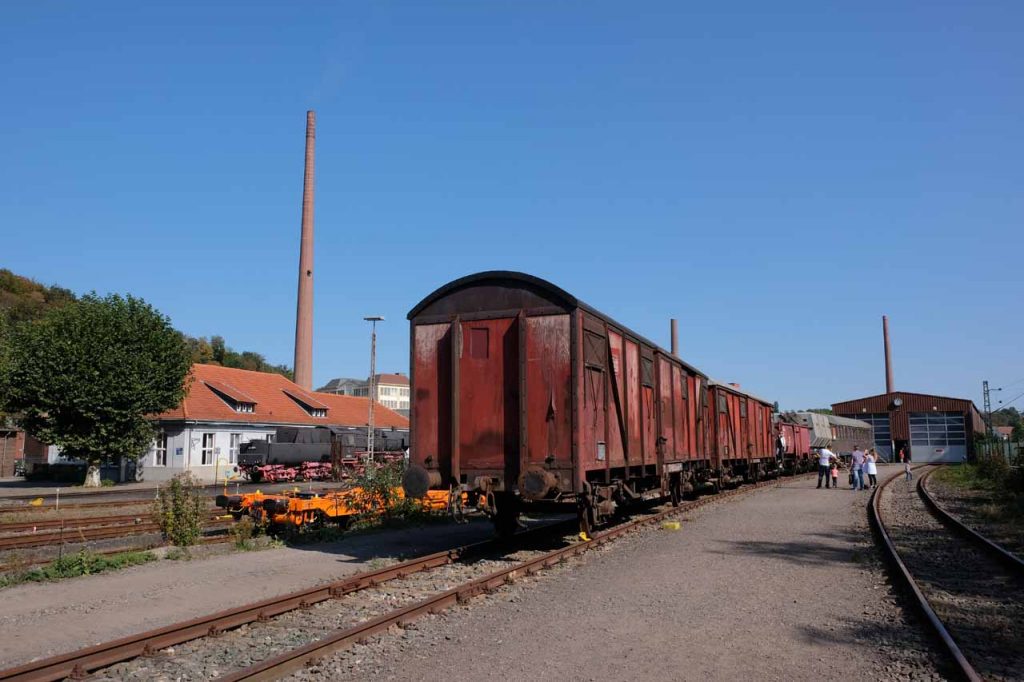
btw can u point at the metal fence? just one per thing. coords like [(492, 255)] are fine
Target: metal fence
[(1012, 451)]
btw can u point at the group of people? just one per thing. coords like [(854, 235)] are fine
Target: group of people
[(861, 464)]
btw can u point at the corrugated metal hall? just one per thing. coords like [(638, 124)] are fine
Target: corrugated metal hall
[(929, 428)]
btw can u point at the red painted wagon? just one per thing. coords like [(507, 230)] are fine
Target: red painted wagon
[(742, 435), (527, 397)]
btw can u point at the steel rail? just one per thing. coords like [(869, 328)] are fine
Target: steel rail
[(81, 662), (103, 496), (997, 551), (904, 575), (28, 508), (78, 522), (84, 534), (276, 667)]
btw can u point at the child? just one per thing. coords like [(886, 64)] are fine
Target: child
[(907, 475), (835, 475)]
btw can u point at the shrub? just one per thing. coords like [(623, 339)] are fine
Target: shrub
[(179, 510), (993, 467), (242, 531), (381, 500)]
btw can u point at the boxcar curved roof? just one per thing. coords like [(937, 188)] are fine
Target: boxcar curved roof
[(740, 391), (544, 290)]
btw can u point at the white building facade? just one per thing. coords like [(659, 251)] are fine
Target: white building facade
[(226, 408)]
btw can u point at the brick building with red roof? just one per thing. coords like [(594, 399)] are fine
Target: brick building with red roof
[(226, 407)]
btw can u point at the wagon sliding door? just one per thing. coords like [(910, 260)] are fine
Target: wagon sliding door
[(547, 395), (486, 391)]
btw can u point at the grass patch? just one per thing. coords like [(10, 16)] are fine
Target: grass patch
[(966, 476), (74, 565), (1002, 485)]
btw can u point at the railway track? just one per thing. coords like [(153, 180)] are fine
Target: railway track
[(72, 497), (103, 528), (969, 590), (301, 607)]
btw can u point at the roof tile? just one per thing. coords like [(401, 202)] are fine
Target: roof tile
[(273, 405)]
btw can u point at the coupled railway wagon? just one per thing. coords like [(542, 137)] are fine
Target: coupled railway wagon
[(840, 434), (849, 434), (793, 445), (527, 397), (742, 434)]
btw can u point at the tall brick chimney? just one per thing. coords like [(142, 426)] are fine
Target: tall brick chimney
[(304, 309), (888, 355)]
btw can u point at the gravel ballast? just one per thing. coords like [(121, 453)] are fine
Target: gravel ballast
[(784, 584), (978, 600), (43, 619)]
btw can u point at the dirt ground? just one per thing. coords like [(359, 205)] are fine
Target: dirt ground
[(784, 584), (42, 619)]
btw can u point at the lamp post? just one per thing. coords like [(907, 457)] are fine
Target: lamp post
[(373, 320)]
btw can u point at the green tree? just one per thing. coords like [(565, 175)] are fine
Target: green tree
[(86, 375), (219, 349)]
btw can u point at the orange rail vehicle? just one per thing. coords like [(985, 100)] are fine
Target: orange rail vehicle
[(309, 509)]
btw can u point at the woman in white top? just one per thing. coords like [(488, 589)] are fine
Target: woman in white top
[(871, 469)]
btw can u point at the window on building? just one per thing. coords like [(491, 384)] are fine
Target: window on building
[(236, 444), (208, 454), (160, 458)]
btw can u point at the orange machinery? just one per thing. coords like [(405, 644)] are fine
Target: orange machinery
[(306, 509)]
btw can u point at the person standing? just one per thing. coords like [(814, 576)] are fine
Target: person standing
[(907, 473), (857, 467), (871, 467), (835, 475), (825, 457)]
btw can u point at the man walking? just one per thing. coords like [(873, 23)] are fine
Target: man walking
[(857, 465), (825, 457)]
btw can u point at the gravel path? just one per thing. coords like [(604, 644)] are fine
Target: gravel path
[(784, 584), (980, 603), (42, 619)]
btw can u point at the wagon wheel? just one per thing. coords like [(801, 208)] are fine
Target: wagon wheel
[(674, 492)]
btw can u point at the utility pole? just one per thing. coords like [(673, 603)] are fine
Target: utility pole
[(373, 320), (988, 408)]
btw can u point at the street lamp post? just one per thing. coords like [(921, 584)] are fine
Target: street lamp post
[(373, 320)]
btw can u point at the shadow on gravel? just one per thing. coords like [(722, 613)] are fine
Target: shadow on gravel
[(385, 546), (840, 548), (902, 650)]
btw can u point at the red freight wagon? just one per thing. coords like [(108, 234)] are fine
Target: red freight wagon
[(743, 441), (525, 395), (793, 445)]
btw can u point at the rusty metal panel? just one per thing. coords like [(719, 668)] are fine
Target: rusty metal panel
[(666, 409), (548, 385), (692, 414), (680, 423), (488, 394), (618, 423), (634, 438), (648, 406), (431, 396)]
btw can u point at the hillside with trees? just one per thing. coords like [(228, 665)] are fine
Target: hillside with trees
[(25, 300)]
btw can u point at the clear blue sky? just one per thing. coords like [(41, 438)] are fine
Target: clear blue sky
[(776, 175)]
